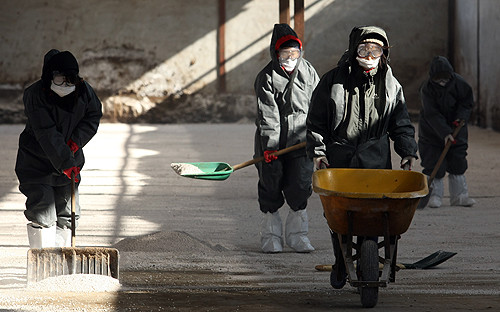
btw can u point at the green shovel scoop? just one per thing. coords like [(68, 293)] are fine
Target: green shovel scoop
[(221, 170)]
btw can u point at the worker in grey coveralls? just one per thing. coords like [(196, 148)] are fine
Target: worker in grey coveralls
[(356, 108), (63, 114), (446, 100), (283, 89)]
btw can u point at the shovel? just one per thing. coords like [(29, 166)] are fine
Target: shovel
[(423, 202), (426, 263), (221, 170), (50, 262)]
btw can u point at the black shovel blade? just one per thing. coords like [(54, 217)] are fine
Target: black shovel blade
[(431, 261), (424, 200)]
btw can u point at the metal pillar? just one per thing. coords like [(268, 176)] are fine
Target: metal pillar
[(298, 9), (285, 12), (298, 20), (221, 55)]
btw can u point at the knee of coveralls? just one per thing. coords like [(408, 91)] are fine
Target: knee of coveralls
[(63, 205), (429, 155), (270, 186), (297, 181), (456, 161), (45, 206)]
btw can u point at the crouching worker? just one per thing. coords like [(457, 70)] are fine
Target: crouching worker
[(63, 114), (446, 100), (356, 108), (283, 89)]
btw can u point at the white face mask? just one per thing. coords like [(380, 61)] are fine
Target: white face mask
[(62, 91), (368, 63), (442, 82), (288, 64)]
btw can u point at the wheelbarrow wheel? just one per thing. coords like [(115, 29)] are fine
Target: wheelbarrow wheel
[(369, 272)]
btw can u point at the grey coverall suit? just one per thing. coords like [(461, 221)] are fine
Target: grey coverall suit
[(282, 106)]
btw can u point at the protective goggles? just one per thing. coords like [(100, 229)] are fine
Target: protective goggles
[(365, 49), (289, 53), (59, 79)]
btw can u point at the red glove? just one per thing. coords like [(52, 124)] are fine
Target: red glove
[(72, 146), (68, 172), (268, 157), (450, 138)]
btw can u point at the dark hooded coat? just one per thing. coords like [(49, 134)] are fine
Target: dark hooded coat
[(52, 121), (354, 112), (441, 106)]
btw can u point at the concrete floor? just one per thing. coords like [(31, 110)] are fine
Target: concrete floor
[(198, 227)]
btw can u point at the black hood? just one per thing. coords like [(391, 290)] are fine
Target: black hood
[(281, 34), (63, 62), (360, 33), (440, 64)]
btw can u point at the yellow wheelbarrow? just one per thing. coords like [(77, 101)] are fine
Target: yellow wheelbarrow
[(367, 204)]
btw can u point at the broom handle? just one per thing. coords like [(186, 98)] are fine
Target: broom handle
[(73, 210), (277, 153), (445, 151)]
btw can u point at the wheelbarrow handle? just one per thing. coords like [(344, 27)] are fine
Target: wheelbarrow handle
[(277, 153)]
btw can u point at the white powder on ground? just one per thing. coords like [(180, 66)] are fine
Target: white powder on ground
[(76, 283), (183, 168)]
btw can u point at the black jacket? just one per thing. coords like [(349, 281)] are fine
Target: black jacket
[(443, 105), (341, 91), (52, 121)]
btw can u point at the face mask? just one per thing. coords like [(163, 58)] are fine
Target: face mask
[(441, 82), (62, 91), (368, 63), (288, 64)]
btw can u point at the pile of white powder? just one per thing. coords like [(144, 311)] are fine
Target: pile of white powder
[(184, 168), (76, 283)]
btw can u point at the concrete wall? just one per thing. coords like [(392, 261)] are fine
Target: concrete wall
[(154, 52), (477, 44)]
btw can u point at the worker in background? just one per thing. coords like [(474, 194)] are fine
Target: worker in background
[(63, 114), (356, 108), (283, 89), (447, 99)]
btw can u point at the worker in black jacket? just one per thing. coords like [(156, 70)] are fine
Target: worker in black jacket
[(447, 99), (63, 114), (356, 109)]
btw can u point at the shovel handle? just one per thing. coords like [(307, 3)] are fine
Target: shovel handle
[(73, 210), (445, 151), (277, 153)]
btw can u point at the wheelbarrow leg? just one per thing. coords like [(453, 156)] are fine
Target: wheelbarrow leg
[(338, 274), (394, 242), (348, 245), (389, 261)]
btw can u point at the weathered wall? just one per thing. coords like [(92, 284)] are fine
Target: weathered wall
[(140, 55), (477, 44)]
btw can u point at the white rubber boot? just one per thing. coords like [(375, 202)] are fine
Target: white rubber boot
[(296, 229), (271, 233), (63, 237), (436, 199), (41, 237), (459, 195)]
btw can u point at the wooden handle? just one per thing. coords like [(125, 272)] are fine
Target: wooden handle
[(445, 151), (277, 153), (73, 210)]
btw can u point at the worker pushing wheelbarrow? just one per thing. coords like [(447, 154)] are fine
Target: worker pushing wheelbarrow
[(368, 204), (356, 110)]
